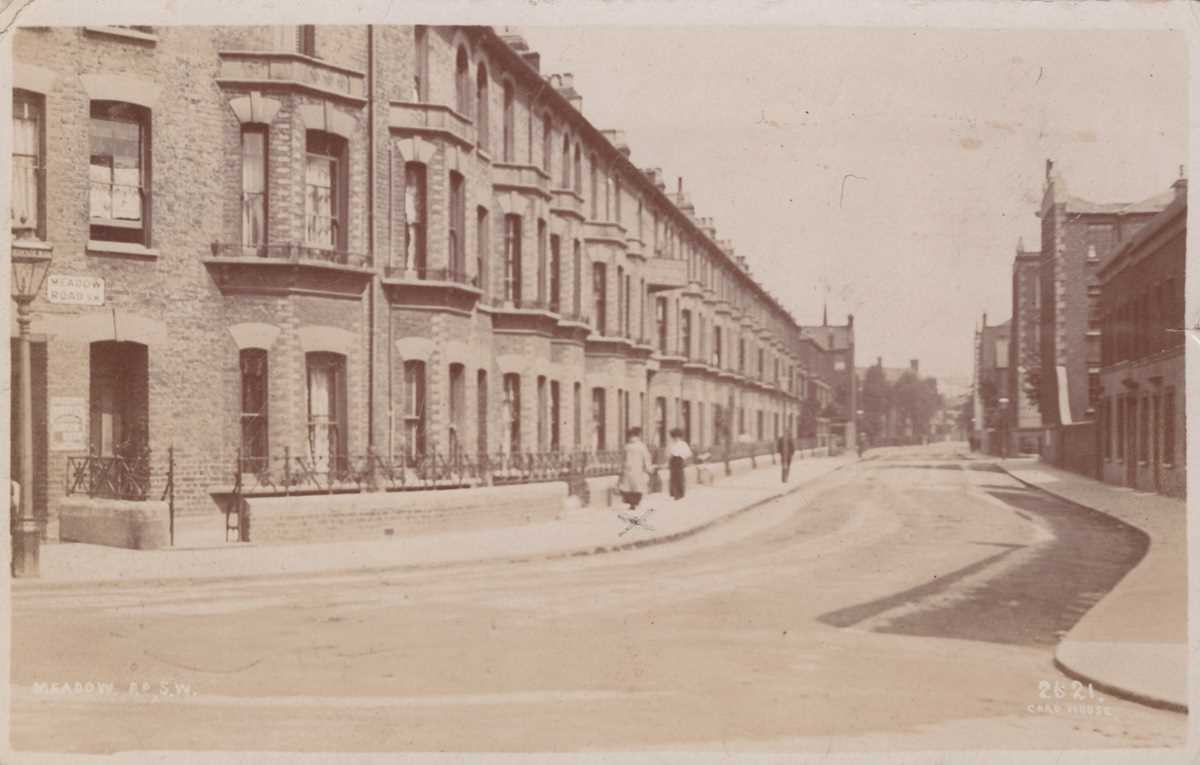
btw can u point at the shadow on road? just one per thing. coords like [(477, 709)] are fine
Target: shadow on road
[(1032, 603)]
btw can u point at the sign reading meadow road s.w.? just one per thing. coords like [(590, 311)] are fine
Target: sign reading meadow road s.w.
[(66, 289)]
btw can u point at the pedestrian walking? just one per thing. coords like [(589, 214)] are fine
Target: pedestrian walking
[(787, 448), (635, 469), (679, 453)]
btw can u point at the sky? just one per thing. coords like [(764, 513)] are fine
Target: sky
[(889, 172)]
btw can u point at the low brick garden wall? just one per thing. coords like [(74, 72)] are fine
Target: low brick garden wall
[(376, 515), (114, 522)]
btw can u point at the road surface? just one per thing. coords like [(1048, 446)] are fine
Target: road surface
[(909, 601)]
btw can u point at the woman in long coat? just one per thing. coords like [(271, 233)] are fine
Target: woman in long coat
[(635, 470)]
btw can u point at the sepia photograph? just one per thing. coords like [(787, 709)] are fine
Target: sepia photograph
[(532, 379)]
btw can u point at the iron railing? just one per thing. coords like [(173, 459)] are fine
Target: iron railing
[(301, 473), (110, 477)]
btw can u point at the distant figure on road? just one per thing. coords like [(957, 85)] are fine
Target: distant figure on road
[(635, 469), (862, 444), (679, 453), (787, 449)]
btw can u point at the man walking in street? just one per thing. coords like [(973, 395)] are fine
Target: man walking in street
[(787, 448), (679, 453)]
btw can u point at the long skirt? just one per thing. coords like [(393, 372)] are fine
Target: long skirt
[(676, 467)]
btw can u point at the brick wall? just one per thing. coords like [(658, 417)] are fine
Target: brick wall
[(344, 517)]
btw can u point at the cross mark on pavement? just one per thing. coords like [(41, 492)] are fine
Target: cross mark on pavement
[(632, 520)]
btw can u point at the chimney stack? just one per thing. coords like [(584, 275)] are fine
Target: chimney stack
[(617, 139), (565, 85), (915, 365), (1180, 185)]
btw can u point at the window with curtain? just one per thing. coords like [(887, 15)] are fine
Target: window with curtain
[(555, 416), (458, 405), (547, 143), (28, 164), (482, 242), (660, 323), (577, 278), (512, 259), (541, 262), (555, 273), (685, 333), (628, 303), (325, 191), (566, 162), (599, 442), (600, 296), (511, 413), (119, 172), (254, 422), (414, 409), (326, 389), (415, 200), (577, 172), (481, 108), (420, 63), (621, 297), (508, 149), (577, 405), (254, 185), (543, 405), (457, 229), (462, 79), (595, 188), (481, 414)]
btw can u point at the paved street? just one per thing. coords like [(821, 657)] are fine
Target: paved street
[(912, 600)]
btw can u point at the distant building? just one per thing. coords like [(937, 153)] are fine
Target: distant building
[(994, 402), (1141, 410), (837, 342), (1025, 423), (1077, 236)]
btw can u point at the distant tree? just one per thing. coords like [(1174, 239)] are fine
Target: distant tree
[(966, 415), (917, 400), (876, 401), (808, 417), (1032, 386)]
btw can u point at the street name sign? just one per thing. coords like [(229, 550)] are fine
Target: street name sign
[(68, 289)]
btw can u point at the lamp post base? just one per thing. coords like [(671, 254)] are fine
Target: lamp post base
[(26, 544)]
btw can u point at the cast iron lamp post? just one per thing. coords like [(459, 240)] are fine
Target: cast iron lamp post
[(29, 267), (1003, 402)]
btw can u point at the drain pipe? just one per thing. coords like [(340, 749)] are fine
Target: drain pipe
[(371, 218)]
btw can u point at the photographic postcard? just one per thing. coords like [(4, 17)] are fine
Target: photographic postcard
[(599, 382)]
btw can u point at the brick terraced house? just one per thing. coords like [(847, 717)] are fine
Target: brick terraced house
[(1141, 413), (314, 248)]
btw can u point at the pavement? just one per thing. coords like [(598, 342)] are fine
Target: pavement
[(202, 553), (1133, 642)]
